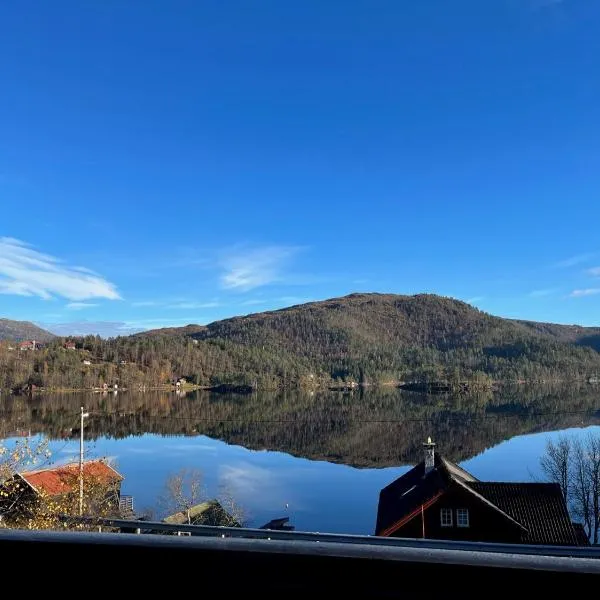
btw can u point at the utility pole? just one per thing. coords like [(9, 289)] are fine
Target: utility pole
[(83, 416)]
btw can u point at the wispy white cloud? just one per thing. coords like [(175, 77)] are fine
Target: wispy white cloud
[(287, 300), (245, 478), (541, 293), (80, 305), (193, 305), (594, 272), (585, 292), (474, 299), (573, 261), (159, 322), (192, 446), (253, 302), (104, 329), (248, 269), (26, 272), (257, 488), (176, 303), (290, 300)]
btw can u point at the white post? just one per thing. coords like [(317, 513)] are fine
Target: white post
[(81, 465), (83, 416)]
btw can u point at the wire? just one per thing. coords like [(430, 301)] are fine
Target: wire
[(347, 418), (440, 418)]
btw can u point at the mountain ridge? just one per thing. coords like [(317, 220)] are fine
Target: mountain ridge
[(356, 339), (561, 331), (17, 331)]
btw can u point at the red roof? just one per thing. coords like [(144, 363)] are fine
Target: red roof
[(63, 479)]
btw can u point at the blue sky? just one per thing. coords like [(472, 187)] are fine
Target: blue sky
[(166, 163)]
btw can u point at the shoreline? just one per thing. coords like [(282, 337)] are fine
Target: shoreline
[(432, 389)]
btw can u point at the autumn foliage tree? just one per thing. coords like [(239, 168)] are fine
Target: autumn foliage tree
[(23, 507)]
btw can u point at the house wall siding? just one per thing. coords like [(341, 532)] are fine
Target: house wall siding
[(485, 523)]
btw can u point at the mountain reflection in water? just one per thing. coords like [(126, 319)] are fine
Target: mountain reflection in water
[(313, 441)]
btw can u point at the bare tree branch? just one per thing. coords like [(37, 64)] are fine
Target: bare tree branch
[(237, 515), (574, 464), (183, 491), (556, 463)]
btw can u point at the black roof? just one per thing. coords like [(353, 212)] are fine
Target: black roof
[(582, 537), (539, 507), (413, 489)]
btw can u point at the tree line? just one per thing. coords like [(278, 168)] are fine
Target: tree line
[(366, 339)]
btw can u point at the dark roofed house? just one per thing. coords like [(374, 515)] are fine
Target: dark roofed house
[(582, 537), (437, 499)]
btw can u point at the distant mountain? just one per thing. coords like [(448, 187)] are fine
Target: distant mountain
[(105, 329), (23, 330), (187, 330), (361, 338)]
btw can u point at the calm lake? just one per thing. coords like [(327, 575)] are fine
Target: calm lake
[(319, 458)]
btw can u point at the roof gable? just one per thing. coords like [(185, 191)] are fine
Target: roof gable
[(65, 478), (457, 472), (403, 496)]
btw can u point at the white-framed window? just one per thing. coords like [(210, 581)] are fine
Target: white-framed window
[(462, 517), (446, 517)]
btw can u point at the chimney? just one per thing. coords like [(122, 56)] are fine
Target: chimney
[(429, 448)]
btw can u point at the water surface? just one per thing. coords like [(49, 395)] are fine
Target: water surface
[(318, 458)]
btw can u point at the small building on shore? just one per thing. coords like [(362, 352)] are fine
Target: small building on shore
[(205, 513), (439, 500), (29, 492)]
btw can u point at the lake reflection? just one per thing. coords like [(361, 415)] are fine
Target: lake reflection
[(325, 455)]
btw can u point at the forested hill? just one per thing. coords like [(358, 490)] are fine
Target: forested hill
[(362, 338), (360, 320), (575, 334), (378, 337), (22, 330)]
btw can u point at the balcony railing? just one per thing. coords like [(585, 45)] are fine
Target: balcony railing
[(256, 563), (157, 527)]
